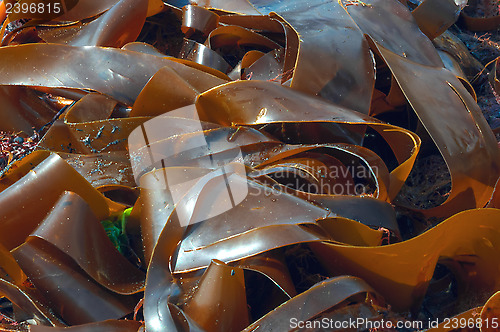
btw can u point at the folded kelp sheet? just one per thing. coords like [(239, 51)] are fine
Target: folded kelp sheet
[(244, 166)]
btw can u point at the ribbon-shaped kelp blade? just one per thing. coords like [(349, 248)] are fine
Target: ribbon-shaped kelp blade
[(160, 282), (229, 39), (401, 272), (234, 7), (114, 72), (322, 67), (226, 36), (195, 255), (119, 25), (70, 292), (30, 302), (329, 41), (225, 285), (267, 25), (374, 213), (11, 270), (458, 128), (453, 47), (481, 23), (258, 217), (91, 137), (167, 91), (332, 179), (261, 103), (196, 20), (266, 111), (435, 17), (309, 304), (23, 109), (273, 266), (31, 191), (91, 107), (446, 109), (397, 32), (86, 128), (73, 229), (104, 170), (197, 53)]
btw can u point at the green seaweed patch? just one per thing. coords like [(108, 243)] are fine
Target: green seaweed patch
[(115, 230)]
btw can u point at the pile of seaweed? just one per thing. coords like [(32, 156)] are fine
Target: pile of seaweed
[(249, 165)]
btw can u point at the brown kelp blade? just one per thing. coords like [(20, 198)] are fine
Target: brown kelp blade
[(468, 147), (443, 100), (49, 172), (260, 103), (69, 291), (63, 227), (117, 73), (314, 301), (400, 272)]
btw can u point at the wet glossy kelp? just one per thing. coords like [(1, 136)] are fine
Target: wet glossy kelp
[(297, 91)]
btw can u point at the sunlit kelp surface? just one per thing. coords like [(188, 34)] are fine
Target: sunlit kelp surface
[(317, 112)]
